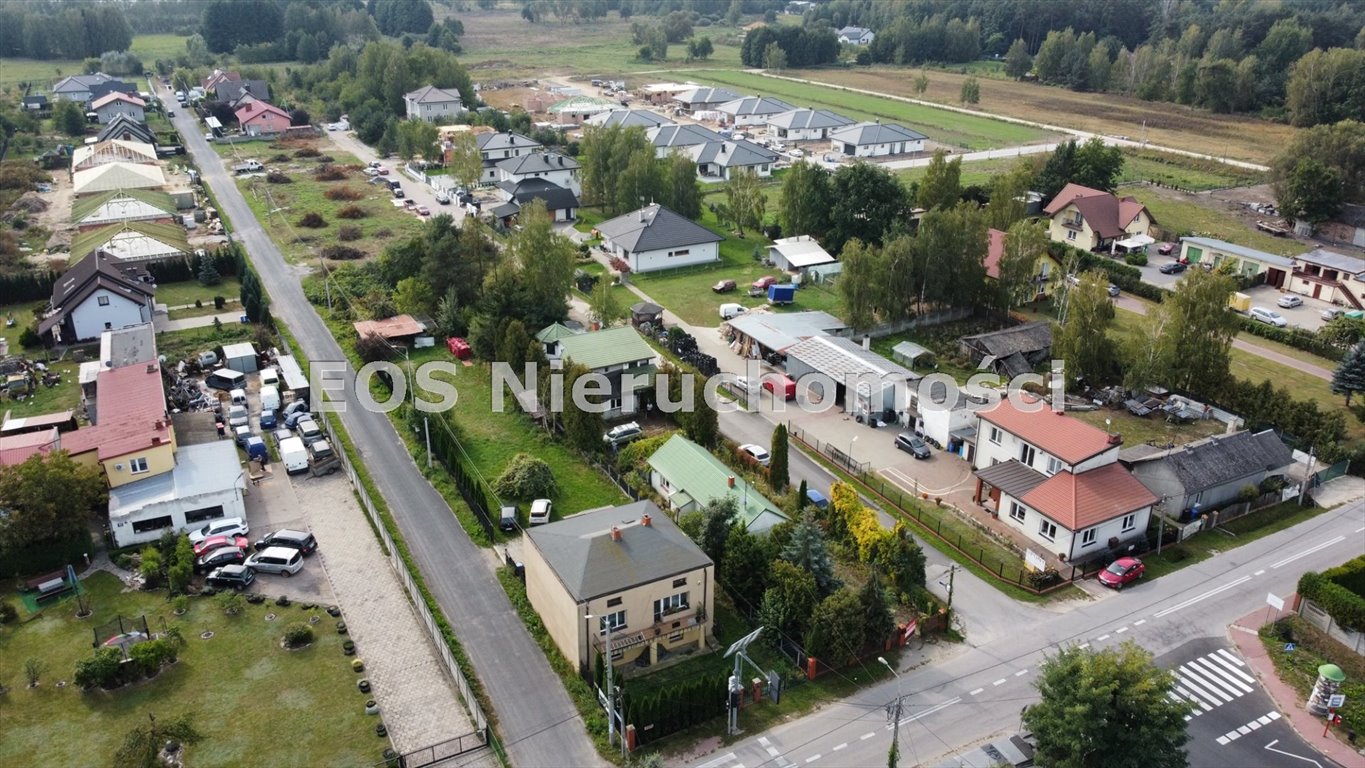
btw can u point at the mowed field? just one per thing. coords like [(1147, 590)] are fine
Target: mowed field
[(1167, 124), (44, 73)]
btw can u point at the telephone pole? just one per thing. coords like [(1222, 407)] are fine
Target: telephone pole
[(893, 711)]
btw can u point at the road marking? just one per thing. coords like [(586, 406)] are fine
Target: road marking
[(722, 760), (840, 746), (978, 690), (1361, 528), (813, 758), (1021, 673), (867, 736), (1101, 638), (1258, 573), (1139, 622), (1308, 552), (1226, 654), (1120, 630), (1083, 646), (1001, 681), (1198, 598), (1271, 747), (933, 709)]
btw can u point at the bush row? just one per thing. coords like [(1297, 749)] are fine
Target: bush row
[(1297, 338), (1344, 606), (107, 669)]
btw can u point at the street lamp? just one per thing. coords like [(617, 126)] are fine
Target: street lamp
[(895, 712)]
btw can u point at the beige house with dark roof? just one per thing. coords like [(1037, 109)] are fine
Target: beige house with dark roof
[(625, 577), (1090, 219)]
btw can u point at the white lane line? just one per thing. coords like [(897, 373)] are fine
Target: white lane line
[(867, 736), (1101, 638), (1271, 747), (1139, 622), (1308, 552), (1222, 741), (1231, 685), (1120, 630), (1258, 573), (1236, 677), (1362, 528), (1194, 678), (813, 758), (933, 709), (1193, 698), (1001, 681), (840, 746), (1204, 596), (1021, 673), (1254, 725), (1244, 730), (1273, 715), (978, 690), (1083, 646), (722, 760)]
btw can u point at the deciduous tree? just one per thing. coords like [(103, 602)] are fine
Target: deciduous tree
[(1313, 193), (1018, 62), (142, 746), (804, 205), (48, 499), (941, 186), (744, 571), (837, 628), (859, 283), (1025, 243), (1111, 707), (605, 307), (745, 199), (788, 601), (546, 259), (970, 93), (1008, 195), (1196, 333), (1081, 340), (682, 189), (866, 202), (463, 161)]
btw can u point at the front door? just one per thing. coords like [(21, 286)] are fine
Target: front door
[(1317, 290)]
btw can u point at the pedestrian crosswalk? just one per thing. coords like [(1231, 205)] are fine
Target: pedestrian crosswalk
[(1210, 681)]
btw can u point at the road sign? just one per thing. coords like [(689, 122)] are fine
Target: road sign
[(1274, 602), (1336, 701), (1289, 647)]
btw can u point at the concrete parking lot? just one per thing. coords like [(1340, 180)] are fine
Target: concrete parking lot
[(271, 505), (1307, 315)]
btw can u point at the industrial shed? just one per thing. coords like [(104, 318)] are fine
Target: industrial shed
[(881, 384), (759, 334)]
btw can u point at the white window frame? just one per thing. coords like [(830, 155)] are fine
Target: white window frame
[(1026, 450), (995, 434), (613, 622), (1089, 537), (103, 301), (1047, 529), (1017, 511), (1129, 521), (139, 465), (1054, 465)]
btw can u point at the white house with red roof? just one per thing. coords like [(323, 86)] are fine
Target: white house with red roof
[(1057, 479), (257, 118)]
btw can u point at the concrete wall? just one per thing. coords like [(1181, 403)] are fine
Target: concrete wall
[(653, 261), (561, 615), (160, 459), (121, 526)]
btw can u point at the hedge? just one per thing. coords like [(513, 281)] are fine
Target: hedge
[(46, 556), (1344, 606), (676, 708), (1350, 575), (1294, 337)]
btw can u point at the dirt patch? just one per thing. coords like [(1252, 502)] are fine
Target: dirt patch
[(508, 98), (1160, 123)]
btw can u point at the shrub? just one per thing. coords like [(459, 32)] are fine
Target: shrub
[(278, 177), (8, 613), (306, 152), (149, 657), (1135, 259), (30, 338), (280, 158), (1044, 578), (343, 193), (231, 603), (342, 253), (351, 211), (329, 173), (151, 568), (180, 604), (297, 635), (282, 601), (348, 233), (526, 477), (102, 669), (219, 302), (1344, 606), (1298, 338), (312, 220)]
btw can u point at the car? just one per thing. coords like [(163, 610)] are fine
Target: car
[(540, 511), (309, 431), (298, 406), (913, 444), (1289, 301), (382, 170), (238, 416), (443, 197), (1166, 249), (816, 499), (281, 434), (1113, 290), (756, 452), (742, 384), (232, 576), (218, 542), (777, 382), (760, 286), (1332, 313), (218, 558), (170, 114), (284, 561), (291, 420), (242, 435), (1268, 316), (1174, 268), (622, 433), (731, 311), (228, 526), (422, 210), (303, 541), (1122, 571), (269, 419), (724, 286), (507, 518)]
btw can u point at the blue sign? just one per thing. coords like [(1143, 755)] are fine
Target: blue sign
[(1288, 647)]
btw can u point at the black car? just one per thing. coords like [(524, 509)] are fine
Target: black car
[(237, 577), (303, 541), (220, 557), (507, 518), (1174, 268), (913, 445)]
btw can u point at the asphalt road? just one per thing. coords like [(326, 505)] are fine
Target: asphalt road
[(538, 724), (978, 693), (1233, 720)]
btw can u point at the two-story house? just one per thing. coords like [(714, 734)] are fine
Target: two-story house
[(433, 104), (503, 145), (551, 166), (1329, 276), (655, 238), (1043, 267), (118, 103), (623, 582), (616, 353), (257, 118), (1057, 480), (1092, 220), (77, 88), (95, 295), (688, 477)]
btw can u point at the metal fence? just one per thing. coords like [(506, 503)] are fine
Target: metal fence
[(829, 451), (476, 713), (436, 753)]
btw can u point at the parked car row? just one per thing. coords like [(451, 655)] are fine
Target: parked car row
[(231, 565)]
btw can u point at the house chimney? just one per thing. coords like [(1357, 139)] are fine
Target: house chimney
[(1116, 439), (867, 342), (644, 520), (615, 533)]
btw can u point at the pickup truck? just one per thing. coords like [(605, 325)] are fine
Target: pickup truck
[(322, 460), (250, 166)]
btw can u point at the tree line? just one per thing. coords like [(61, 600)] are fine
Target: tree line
[(68, 30), (298, 30), (621, 172), (800, 46)]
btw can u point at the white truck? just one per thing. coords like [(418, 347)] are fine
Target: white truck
[(294, 455), (250, 166)]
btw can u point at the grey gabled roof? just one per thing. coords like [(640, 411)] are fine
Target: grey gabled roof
[(537, 162), (589, 564), (805, 119), (732, 154), (706, 96), (89, 275), (840, 358), (555, 197), (430, 94), (490, 142), (1333, 260), (1223, 459), (654, 228), (870, 134), (122, 127), (683, 135), (229, 90), (755, 105), (628, 118), (1021, 339)]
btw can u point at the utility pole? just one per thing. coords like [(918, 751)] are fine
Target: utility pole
[(1303, 487), (952, 571), (893, 711)]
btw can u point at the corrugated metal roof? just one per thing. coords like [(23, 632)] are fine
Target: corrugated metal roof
[(601, 349), (1240, 250), (778, 332), (1012, 478), (840, 358), (692, 470), (1332, 260)]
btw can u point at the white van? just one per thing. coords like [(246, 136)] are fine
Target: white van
[(728, 311), (238, 396), (270, 377), (270, 399), (286, 561), (293, 455)]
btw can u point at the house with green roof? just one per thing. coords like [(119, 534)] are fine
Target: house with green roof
[(133, 241), (551, 335), (621, 355), (119, 205), (623, 582), (687, 477)]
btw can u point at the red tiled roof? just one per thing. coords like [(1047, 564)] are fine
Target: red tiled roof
[(1079, 501), (255, 109), (1104, 212), (394, 327), (131, 407), (1067, 438), (995, 249), (15, 449)]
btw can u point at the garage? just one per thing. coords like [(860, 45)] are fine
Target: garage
[(882, 387)]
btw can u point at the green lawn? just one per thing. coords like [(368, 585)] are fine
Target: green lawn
[(1236, 533), (149, 48), (243, 689), (43, 74), (64, 396), (1171, 170), (1152, 429), (189, 291), (940, 125), (179, 345), (1179, 217)]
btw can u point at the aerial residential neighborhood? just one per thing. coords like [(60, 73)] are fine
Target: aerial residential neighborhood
[(701, 384)]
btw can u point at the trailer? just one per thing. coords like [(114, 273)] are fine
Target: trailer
[(781, 294)]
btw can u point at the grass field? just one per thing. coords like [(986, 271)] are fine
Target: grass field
[(1160, 123), (1152, 429), (149, 48), (189, 291), (179, 345), (41, 73), (1177, 214), (64, 396), (222, 682), (958, 130), (1168, 169)]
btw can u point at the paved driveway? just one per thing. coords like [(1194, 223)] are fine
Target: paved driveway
[(1307, 315)]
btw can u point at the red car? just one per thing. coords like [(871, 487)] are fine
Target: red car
[(218, 542), (1122, 571), (1166, 249), (774, 382)]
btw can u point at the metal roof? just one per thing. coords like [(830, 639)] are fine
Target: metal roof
[(1012, 477), (801, 251), (682, 135), (840, 358), (117, 175), (1240, 250), (590, 564), (627, 118), (692, 470), (779, 332), (729, 154), (1332, 260), (608, 347)]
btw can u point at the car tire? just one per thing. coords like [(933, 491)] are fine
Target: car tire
[(286, 574), (1118, 585)]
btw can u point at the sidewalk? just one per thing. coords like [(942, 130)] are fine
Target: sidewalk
[(1243, 634), (162, 324)]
